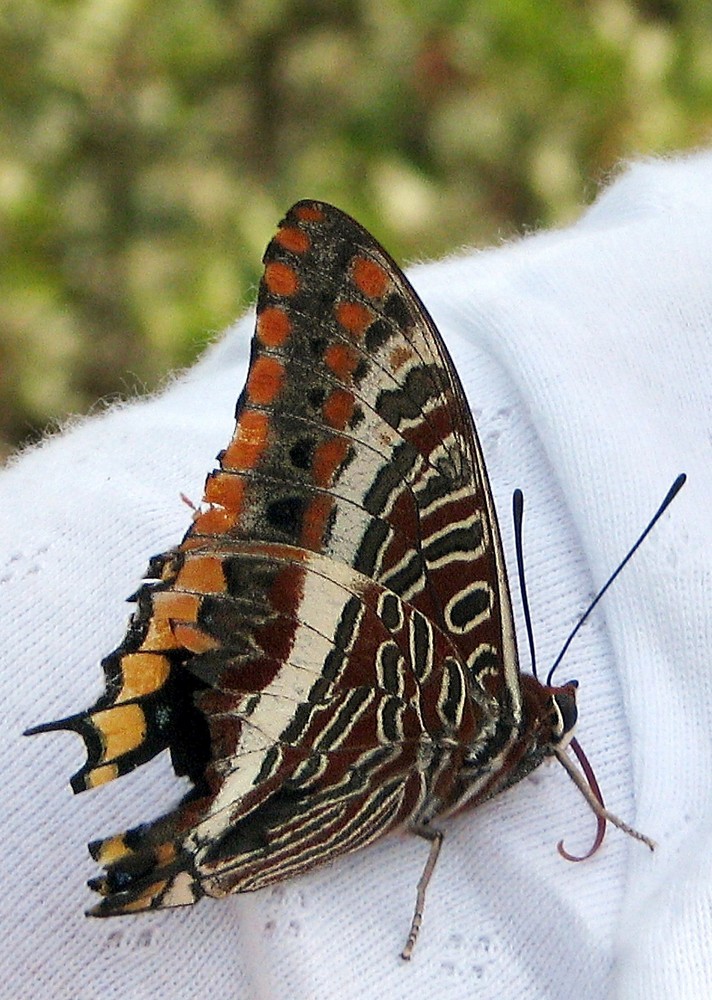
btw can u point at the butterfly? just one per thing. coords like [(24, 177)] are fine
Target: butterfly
[(329, 655)]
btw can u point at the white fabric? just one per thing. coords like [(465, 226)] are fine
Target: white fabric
[(586, 354)]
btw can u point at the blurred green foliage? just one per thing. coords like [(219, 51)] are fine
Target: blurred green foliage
[(149, 147)]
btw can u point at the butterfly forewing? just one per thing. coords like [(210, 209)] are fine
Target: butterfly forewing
[(329, 653)]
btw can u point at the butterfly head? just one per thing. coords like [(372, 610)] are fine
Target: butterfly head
[(550, 714), (563, 714), (549, 717)]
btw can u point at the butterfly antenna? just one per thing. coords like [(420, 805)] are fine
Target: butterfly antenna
[(670, 496), (518, 517)]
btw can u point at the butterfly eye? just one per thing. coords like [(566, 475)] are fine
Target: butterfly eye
[(564, 702)]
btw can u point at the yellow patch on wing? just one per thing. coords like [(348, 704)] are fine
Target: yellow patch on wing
[(121, 728), (141, 674)]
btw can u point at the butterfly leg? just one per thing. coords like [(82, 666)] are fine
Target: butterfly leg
[(436, 839)]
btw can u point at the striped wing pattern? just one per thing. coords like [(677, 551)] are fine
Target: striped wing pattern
[(329, 653)]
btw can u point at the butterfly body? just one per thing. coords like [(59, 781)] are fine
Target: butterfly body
[(329, 654)]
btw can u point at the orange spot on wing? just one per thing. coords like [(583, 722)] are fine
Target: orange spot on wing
[(110, 850), (145, 899), (215, 521), (281, 279), (338, 408), (100, 775), (194, 639), (353, 316), (248, 442), (121, 729), (328, 456), (226, 489), (182, 607), (293, 239), (369, 277), (202, 575), (400, 356), (273, 326), (141, 674), (342, 360), (315, 520), (265, 380), (309, 213), (159, 637), (165, 852), (192, 541)]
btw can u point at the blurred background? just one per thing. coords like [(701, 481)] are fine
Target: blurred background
[(148, 149)]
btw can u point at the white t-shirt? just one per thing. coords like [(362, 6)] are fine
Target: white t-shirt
[(586, 354)]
